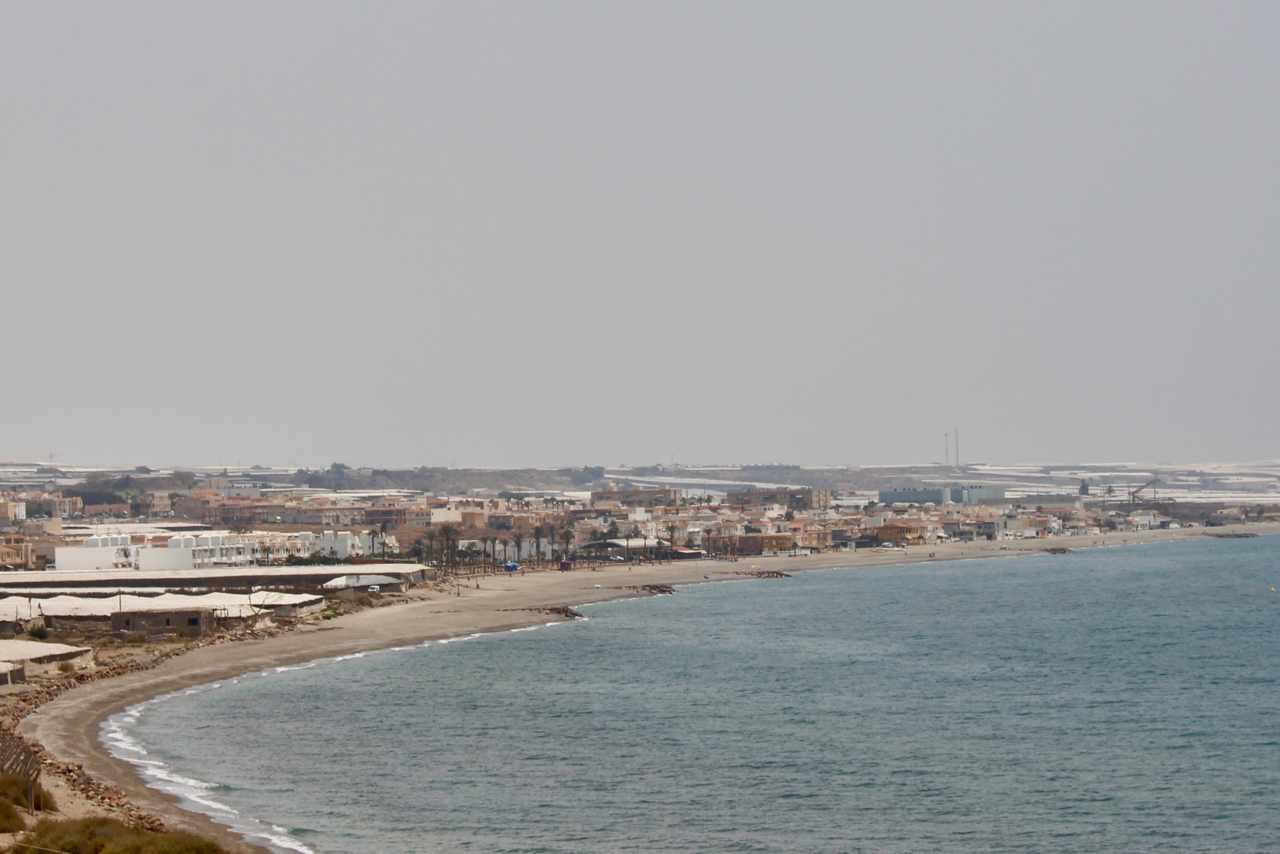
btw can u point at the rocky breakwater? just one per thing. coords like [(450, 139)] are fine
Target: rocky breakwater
[(554, 611), (15, 707), (109, 799)]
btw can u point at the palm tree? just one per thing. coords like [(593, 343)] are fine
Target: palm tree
[(538, 535), (567, 536), (432, 536), (518, 540), (373, 540), (449, 544), (550, 535), (506, 545)]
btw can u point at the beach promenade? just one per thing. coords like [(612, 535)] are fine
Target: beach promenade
[(69, 726)]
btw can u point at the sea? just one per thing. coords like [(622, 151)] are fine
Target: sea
[(1122, 699)]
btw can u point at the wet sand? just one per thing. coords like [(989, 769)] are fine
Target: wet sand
[(69, 726)]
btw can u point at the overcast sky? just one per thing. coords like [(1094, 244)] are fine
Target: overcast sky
[(541, 233)]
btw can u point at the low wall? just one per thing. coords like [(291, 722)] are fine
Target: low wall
[(43, 664), (12, 672), (290, 612)]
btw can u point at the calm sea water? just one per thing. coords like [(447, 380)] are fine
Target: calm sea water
[(1114, 700)]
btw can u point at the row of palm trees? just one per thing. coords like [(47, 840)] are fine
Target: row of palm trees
[(441, 547)]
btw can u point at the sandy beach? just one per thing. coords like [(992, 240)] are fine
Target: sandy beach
[(69, 726)]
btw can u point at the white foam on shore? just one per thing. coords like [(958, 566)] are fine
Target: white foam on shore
[(460, 638), (611, 601), (115, 734), (193, 794), (289, 668)]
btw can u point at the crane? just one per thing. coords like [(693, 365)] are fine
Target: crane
[(1133, 493)]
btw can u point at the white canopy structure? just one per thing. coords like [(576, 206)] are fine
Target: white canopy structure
[(238, 605)]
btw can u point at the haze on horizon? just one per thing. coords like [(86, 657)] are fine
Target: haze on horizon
[(601, 234)]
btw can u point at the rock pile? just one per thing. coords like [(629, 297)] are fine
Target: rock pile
[(553, 611), (108, 797), (18, 706), (655, 589), (563, 611)]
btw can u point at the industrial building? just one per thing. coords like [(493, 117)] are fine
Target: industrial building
[(955, 494)]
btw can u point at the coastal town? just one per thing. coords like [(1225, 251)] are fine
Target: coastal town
[(153, 580), (150, 554), (156, 521)]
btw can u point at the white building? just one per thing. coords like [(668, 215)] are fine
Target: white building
[(446, 516), (339, 544), (105, 552)]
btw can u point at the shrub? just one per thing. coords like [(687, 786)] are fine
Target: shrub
[(138, 637), (10, 821), (38, 632), (101, 835), (15, 790), (66, 667)]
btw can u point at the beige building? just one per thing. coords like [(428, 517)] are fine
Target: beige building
[(663, 497), (154, 504), (791, 497)]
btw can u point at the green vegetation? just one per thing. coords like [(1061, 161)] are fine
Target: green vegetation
[(14, 789), (38, 632), (10, 821), (16, 792), (315, 559), (108, 836), (97, 496), (584, 475)]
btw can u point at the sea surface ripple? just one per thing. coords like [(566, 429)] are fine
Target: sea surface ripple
[(1118, 699)]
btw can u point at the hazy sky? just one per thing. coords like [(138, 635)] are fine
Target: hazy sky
[(603, 233)]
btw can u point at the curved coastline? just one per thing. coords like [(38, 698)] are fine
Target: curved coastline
[(69, 726), (116, 734)]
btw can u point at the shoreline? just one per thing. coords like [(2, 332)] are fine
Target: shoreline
[(69, 726)]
